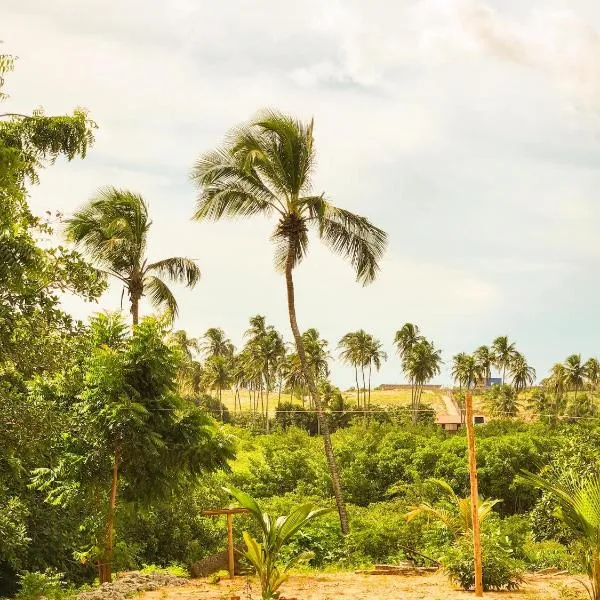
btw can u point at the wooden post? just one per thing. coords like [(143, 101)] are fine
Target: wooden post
[(474, 496), (230, 545)]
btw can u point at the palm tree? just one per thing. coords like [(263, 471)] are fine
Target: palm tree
[(592, 372), (578, 499), (503, 352), (214, 342), (466, 370), (266, 168), (186, 344), (420, 364), (574, 373), (503, 400), (458, 518), (485, 359), (406, 338), (350, 355), (522, 374), (112, 229), (217, 376), (375, 356)]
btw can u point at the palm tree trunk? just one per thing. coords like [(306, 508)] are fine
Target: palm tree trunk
[(220, 404), (357, 386), (105, 566), (364, 387), (321, 417), (369, 402), (267, 406), (135, 309)]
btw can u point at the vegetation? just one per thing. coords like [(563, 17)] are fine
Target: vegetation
[(116, 438)]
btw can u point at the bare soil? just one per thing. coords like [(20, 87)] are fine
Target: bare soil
[(351, 586)]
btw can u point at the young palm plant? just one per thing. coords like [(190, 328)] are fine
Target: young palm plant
[(276, 533), (112, 229), (578, 503), (456, 515), (265, 169)]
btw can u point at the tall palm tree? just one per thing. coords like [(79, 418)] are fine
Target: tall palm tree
[(485, 359), (349, 353), (112, 230), (217, 376), (503, 354), (406, 337), (420, 364), (522, 374), (215, 342), (592, 372), (574, 374), (266, 168), (466, 370), (375, 357)]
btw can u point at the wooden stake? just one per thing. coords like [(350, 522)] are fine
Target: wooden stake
[(474, 496), (230, 545)]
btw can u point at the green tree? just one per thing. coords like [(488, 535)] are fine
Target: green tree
[(275, 534), (522, 374), (504, 352), (112, 230), (592, 372), (216, 375), (420, 364), (485, 359), (574, 373), (214, 342), (466, 370), (406, 337), (349, 353), (375, 355), (126, 424), (266, 168), (503, 400), (578, 500)]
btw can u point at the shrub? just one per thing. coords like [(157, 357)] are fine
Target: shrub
[(175, 570), (289, 415), (500, 569), (35, 585), (543, 555)]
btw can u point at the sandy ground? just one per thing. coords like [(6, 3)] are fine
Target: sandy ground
[(361, 587)]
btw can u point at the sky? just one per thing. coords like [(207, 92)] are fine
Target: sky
[(468, 129)]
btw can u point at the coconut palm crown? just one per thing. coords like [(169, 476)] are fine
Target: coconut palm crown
[(112, 229)]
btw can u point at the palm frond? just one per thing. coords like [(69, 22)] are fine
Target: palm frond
[(160, 295), (353, 237), (178, 269)]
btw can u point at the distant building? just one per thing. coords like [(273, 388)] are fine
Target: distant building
[(489, 382), (454, 423)]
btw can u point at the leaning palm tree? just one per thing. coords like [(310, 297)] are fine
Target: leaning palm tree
[(112, 230), (578, 500), (265, 169), (504, 352), (420, 364), (455, 512)]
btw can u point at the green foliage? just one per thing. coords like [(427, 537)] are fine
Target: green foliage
[(275, 534), (214, 578), (500, 569), (502, 401), (174, 569), (290, 414), (49, 584)]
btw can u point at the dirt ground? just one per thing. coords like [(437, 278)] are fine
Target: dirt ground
[(350, 586)]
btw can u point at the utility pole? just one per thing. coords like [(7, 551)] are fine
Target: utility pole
[(474, 496)]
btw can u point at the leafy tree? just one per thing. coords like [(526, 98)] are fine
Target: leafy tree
[(128, 430), (266, 168), (276, 533), (406, 337), (112, 230), (216, 375), (375, 356), (504, 352), (578, 500), (592, 372), (350, 354), (466, 370)]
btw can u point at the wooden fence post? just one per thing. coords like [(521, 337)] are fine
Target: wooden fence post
[(474, 496)]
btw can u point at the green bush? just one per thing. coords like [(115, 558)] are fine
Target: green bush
[(500, 569), (549, 553), (49, 584), (175, 570)]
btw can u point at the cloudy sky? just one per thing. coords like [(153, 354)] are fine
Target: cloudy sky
[(470, 131)]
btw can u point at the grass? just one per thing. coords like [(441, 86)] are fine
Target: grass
[(385, 398)]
